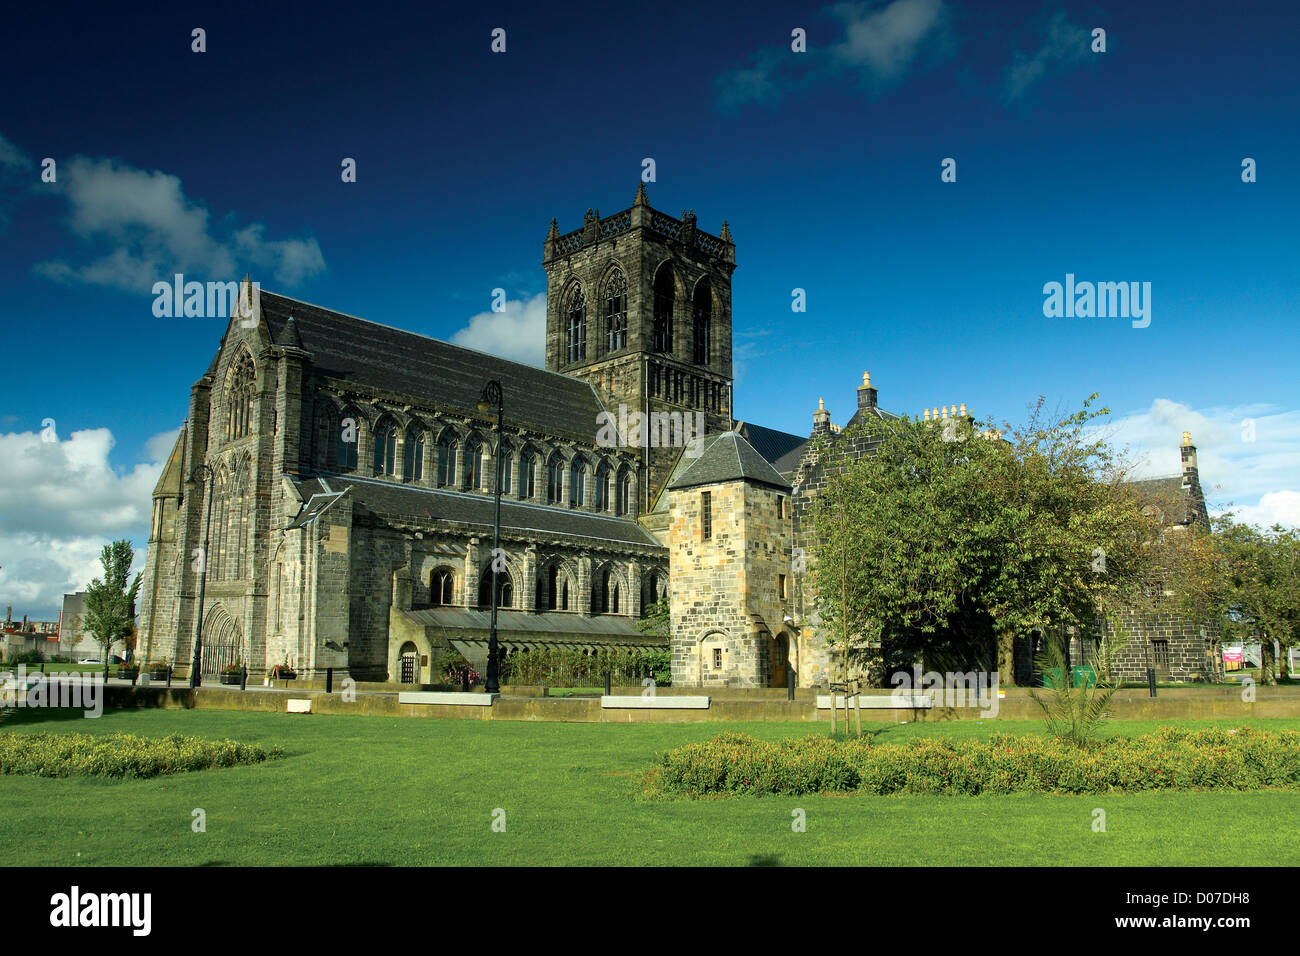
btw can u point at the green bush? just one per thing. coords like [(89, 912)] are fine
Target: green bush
[(120, 755), (1173, 759), (560, 667)]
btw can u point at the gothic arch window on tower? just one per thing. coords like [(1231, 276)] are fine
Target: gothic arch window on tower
[(665, 293), (702, 314), (624, 496), (386, 448), (606, 598), (575, 308), (239, 398), (616, 312)]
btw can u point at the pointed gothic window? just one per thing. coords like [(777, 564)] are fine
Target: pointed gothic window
[(616, 313), (576, 310), (239, 397), (577, 481), (600, 492), (528, 475), (446, 461), (665, 290), (474, 464), (413, 461), (554, 479), (441, 582), (347, 440), (702, 313), (386, 449)]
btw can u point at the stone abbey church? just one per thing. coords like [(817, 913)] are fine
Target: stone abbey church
[(352, 484)]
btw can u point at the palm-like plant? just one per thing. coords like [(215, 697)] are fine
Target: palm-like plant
[(1076, 714)]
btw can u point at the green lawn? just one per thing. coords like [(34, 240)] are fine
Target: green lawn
[(373, 790)]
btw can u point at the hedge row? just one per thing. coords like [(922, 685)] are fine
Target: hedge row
[(1173, 759), (120, 755), (559, 667)]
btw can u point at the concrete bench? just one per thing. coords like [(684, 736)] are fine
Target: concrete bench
[(636, 701), (455, 697), (879, 701)]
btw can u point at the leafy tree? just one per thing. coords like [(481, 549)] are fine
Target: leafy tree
[(110, 602), (657, 620), (1261, 575), (946, 525)]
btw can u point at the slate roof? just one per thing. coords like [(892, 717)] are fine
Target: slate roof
[(872, 412), (1168, 494), (378, 356), (555, 625), (390, 498), (769, 442), (728, 457)]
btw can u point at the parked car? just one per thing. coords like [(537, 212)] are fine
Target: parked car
[(90, 660)]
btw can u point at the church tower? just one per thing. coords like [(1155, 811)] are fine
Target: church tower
[(638, 304)]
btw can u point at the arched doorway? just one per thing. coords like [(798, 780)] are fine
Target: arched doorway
[(409, 664), (222, 642), (778, 670)]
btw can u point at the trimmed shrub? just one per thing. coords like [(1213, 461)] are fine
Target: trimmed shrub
[(121, 755), (561, 667), (1173, 759)]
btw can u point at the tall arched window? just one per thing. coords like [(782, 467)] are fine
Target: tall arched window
[(554, 479), (413, 460), (605, 598), (239, 397), (446, 461), (441, 583), (577, 483), (386, 448), (702, 313), (528, 475), (616, 312), (665, 291), (599, 494), (347, 440), (575, 308), (624, 503), (505, 593), (474, 464), (507, 471)]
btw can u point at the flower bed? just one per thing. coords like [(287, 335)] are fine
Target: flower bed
[(121, 755), (1173, 759)]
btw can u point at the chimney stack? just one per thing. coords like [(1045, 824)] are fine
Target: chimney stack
[(1188, 451), (866, 394), (821, 419)]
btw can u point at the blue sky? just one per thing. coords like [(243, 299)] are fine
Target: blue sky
[(1115, 166)]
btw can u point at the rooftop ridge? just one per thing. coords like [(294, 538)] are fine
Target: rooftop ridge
[(430, 338)]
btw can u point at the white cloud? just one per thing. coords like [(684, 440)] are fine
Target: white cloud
[(885, 41), (11, 157), (880, 45), (1248, 456), (139, 228), (1066, 45), (518, 333), (60, 503)]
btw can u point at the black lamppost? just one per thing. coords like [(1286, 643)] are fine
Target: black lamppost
[(195, 677), (493, 396)]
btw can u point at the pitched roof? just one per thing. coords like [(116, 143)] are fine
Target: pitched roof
[(769, 442), (417, 502), (1168, 493), (728, 457), (378, 356)]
